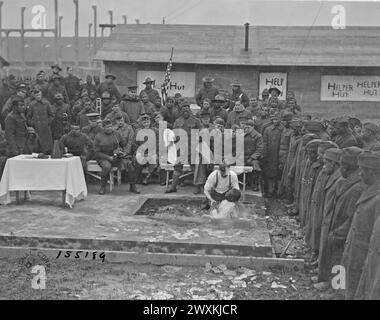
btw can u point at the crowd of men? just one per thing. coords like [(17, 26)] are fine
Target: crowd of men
[(327, 170)]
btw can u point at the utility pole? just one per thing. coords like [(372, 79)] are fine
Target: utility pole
[(89, 34), (76, 32), (22, 35), (1, 26), (125, 19), (56, 29), (111, 18), (60, 38), (163, 20), (95, 28)]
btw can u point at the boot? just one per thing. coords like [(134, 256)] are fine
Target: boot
[(146, 180), (162, 176), (103, 186), (133, 189), (173, 187), (198, 189)]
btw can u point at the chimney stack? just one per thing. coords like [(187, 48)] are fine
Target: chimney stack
[(246, 47)]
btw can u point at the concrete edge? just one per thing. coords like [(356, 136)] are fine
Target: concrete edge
[(257, 263)]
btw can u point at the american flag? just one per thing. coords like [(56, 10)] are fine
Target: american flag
[(165, 85)]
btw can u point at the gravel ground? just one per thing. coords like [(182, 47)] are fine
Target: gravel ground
[(70, 279)]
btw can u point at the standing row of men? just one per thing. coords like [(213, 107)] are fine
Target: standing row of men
[(331, 173)]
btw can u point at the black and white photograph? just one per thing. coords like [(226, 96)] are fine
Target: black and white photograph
[(189, 155)]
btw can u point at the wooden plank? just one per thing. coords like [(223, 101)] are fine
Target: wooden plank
[(161, 259)]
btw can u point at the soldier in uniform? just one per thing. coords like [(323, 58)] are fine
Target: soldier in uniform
[(238, 95), (149, 107), (78, 144), (116, 111), (56, 86), (107, 104), (71, 84), (344, 137), (88, 86), (21, 92), (40, 116), (238, 114), (272, 138), (109, 148), (170, 112), (93, 127), (151, 93), (132, 106), (41, 83), (61, 118), (16, 128), (207, 91), (358, 239), (368, 137), (109, 86), (217, 110), (56, 73)]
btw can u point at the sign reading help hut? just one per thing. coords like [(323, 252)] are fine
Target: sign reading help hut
[(350, 88), (270, 80), (181, 82)]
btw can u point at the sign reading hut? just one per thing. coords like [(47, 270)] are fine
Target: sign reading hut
[(350, 88), (273, 79), (181, 82)]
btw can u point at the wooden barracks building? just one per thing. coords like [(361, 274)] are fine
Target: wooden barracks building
[(332, 72)]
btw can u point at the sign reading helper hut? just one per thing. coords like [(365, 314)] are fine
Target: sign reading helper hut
[(182, 82), (350, 88)]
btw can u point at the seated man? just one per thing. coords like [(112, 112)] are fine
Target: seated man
[(109, 148), (78, 144), (32, 144), (218, 183)]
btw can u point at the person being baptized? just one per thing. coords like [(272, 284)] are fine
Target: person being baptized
[(230, 208)]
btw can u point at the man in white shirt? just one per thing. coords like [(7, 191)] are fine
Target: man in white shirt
[(219, 182)]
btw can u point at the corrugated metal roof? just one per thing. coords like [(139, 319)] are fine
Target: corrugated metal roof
[(277, 45)]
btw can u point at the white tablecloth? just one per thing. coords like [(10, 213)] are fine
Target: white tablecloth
[(25, 173)]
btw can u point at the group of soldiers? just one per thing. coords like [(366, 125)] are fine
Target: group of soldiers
[(328, 171), (330, 176)]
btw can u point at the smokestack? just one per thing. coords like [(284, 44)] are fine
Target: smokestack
[(246, 47)]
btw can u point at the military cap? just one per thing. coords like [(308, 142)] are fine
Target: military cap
[(177, 95), (148, 80), (265, 92), (324, 145), (110, 76), (132, 87), (220, 98), (333, 154), (342, 121), (55, 77), (106, 94), (270, 90), (372, 127), (238, 107), (250, 123), (56, 66), (370, 160), (219, 121), (41, 72), (353, 121), (208, 79), (236, 83), (170, 98), (287, 116), (107, 122), (274, 114), (350, 155), (185, 105), (313, 126), (313, 144), (144, 116)]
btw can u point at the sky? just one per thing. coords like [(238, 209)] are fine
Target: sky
[(228, 12)]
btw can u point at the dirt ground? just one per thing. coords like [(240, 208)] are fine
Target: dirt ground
[(70, 279)]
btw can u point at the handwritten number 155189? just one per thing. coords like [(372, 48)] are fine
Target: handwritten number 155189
[(82, 255)]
